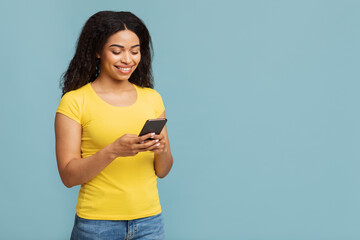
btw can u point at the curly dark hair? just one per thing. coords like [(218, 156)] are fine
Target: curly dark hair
[(85, 67)]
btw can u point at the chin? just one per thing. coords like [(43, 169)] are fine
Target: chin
[(123, 78)]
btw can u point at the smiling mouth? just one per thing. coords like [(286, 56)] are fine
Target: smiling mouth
[(123, 69)]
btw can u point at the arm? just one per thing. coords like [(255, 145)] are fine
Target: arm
[(163, 158), (75, 170)]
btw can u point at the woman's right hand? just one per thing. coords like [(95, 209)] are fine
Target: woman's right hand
[(75, 170), (131, 144)]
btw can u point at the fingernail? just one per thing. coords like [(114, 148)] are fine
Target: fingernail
[(158, 144), (156, 140)]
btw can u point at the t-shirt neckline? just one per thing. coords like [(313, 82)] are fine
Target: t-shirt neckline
[(113, 106)]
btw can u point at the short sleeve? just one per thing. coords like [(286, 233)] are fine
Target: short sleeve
[(70, 107), (158, 103)]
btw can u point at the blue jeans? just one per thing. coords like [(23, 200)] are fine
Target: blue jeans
[(139, 229)]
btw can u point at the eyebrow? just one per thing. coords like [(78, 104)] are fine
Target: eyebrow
[(116, 45)]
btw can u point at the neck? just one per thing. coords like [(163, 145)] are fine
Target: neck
[(111, 85)]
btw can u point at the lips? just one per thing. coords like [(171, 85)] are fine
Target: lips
[(124, 69)]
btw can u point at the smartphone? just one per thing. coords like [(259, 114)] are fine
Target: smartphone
[(153, 125)]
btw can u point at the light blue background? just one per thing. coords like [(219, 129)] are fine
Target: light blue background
[(262, 99)]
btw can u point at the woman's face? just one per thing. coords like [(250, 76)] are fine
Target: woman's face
[(120, 55)]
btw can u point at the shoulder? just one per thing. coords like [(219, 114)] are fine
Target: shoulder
[(77, 95), (72, 104), (149, 92), (154, 98), (75, 99)]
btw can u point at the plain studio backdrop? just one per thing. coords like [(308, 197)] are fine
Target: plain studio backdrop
[(262, 100)]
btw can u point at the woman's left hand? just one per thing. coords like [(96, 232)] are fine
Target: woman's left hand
[(162, 145)]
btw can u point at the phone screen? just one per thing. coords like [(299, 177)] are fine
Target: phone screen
[(153, 125)]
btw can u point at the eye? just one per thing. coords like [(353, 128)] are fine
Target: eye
[(134, 53), (116, 53)]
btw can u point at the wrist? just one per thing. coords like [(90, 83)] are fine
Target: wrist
[(110, 152)]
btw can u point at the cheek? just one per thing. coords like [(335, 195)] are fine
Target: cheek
[(105, 61), (111, 58), (138, 59)]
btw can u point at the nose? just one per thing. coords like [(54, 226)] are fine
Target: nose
[(126, 58)]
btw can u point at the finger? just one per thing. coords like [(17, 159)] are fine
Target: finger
[(162, 141), (153, 147), (144, 146), (147, 140), (160, 136), (159, 149), (146, 136)]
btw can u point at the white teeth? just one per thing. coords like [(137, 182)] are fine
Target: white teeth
[(124, 69)]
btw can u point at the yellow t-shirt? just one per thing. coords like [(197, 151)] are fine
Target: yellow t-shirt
[(127, 188)]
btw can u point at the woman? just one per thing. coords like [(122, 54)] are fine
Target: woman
[(107, 97)]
